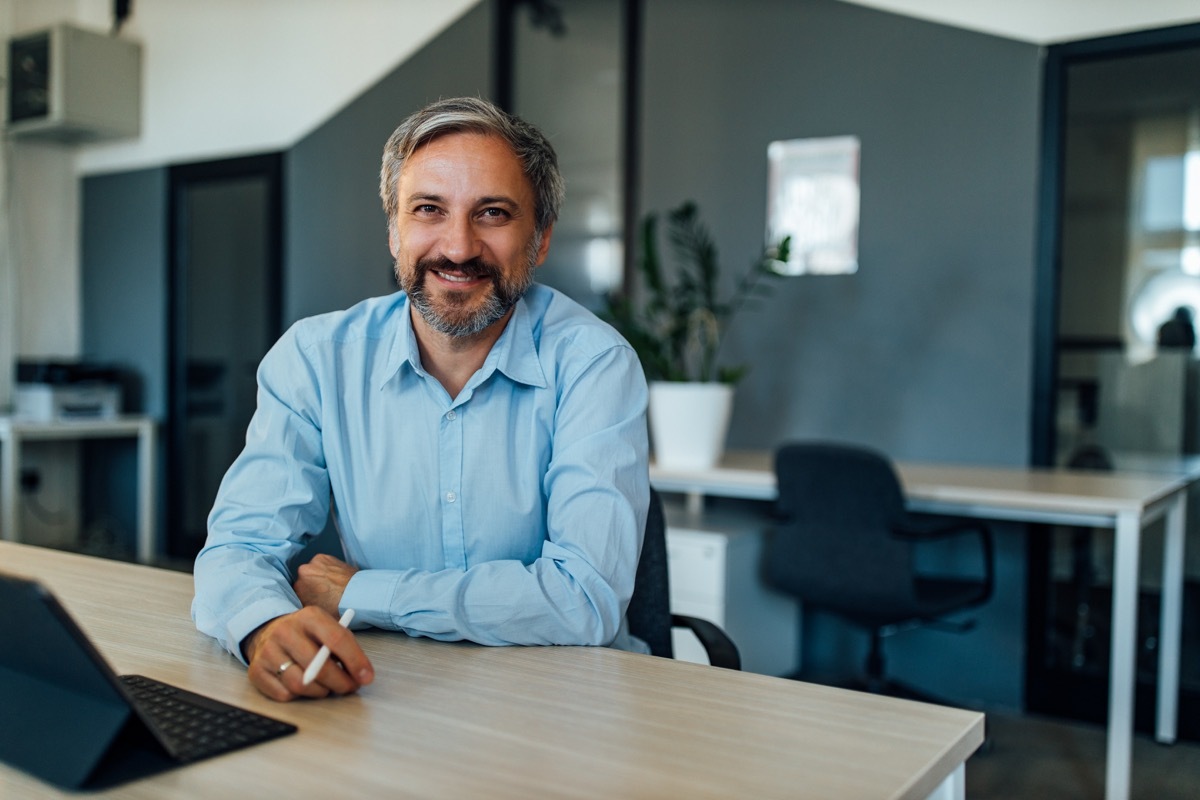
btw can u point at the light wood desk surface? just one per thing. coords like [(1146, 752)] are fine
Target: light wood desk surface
[(460, 720), (1019, 493), (1123, 501)]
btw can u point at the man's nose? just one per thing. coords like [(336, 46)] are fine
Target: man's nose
[(460, 241)]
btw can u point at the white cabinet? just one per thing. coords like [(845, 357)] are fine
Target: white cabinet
[(714, 566)]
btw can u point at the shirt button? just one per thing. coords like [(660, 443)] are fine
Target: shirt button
[(451, 415), (451, 497)]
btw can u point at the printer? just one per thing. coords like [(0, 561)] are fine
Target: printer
[(50, 391)]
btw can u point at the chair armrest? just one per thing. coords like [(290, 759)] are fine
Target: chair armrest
[(917, 533), (721, 650)]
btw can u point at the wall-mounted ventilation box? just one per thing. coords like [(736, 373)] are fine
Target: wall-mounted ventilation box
[(69, 84)]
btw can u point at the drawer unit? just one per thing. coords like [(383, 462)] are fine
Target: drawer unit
[(714, 567)]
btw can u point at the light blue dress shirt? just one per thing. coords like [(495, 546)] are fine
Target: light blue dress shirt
[(511, 514)]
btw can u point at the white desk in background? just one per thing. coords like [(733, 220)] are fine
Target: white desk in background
[(14, 432), (453, 719), (1125, 502)]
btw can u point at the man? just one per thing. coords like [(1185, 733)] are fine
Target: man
[(480, 439)]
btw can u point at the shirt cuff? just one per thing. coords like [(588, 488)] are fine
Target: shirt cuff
[(249, 619), (370, 593)]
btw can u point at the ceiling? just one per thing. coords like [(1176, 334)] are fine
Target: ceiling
[(1047, 21)]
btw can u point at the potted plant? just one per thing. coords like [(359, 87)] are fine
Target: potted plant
[(677, 333)]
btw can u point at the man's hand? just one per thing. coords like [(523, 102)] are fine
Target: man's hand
[(322, 582), (281, 649)]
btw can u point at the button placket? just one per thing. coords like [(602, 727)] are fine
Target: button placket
[(450, 479)]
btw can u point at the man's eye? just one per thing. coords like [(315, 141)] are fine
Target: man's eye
[(495, 213)]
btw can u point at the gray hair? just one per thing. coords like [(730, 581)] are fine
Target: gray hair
[(474, 115)]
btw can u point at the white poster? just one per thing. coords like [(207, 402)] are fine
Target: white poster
[(813, 197)]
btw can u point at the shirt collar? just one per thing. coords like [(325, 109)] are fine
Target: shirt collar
[(404, 345), (513, 354)]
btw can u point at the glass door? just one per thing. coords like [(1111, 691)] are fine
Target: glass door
[(1122, 206)]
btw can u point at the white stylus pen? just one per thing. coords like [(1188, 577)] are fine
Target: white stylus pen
[(323, 653)]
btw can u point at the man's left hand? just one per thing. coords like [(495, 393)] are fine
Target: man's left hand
[(322, 581)]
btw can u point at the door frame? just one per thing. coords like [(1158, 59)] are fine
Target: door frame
[(180, 179), (1049, 691)]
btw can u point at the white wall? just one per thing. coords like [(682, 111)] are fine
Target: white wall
[(220, 78), (39, 282), (231, 76)]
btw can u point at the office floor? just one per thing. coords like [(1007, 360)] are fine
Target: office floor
[(1027, 757)]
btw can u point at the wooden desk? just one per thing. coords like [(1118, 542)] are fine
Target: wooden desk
[(15, 432), (462, 720), (1125, 502)]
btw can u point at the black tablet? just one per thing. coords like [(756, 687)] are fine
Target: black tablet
[(66, 718)]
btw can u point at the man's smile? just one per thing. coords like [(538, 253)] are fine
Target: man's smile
[(459, 277)]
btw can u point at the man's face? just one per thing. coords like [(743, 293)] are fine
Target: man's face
[(464, 238)]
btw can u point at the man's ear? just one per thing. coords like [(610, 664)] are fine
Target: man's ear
[(393, 239), (544, 247)]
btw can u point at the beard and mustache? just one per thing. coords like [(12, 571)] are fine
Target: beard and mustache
[(452, 314)]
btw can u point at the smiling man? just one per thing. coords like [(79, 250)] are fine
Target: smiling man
[(479, 439)]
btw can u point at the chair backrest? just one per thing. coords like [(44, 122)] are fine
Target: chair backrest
[(649, 612), (832, 546)]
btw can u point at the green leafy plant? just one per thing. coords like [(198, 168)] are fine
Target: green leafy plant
[(678, 330)]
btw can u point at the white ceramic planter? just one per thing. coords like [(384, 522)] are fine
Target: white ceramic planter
[(689, 422)]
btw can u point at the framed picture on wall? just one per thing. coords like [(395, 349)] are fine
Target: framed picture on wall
[(813, 197)]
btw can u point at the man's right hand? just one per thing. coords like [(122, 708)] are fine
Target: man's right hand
[(291, 642)]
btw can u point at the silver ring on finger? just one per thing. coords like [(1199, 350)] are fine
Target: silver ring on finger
[(284, 667)]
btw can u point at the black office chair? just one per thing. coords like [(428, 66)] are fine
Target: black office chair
[(649, 613), (845, 544)]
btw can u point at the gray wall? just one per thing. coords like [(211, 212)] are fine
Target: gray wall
[(124, 281), (124, 302), (336, 232), (925, 353)]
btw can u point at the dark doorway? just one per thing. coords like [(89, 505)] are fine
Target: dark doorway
[(1119, 253), (225, 312)]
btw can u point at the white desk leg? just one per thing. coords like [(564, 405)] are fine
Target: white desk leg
[(1170, 619), (10, 471), (954, 787), (146, 498), (1122, 661)]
